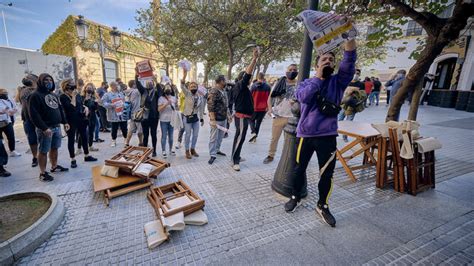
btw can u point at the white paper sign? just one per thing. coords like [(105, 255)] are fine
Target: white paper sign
[(326, 30), (184, 64)]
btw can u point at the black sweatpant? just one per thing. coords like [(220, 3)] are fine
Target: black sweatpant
[(325, 148), (115, 127), (256, 121), (79, 128), (91, 129), (150, 127), (241, 126), (388, 96), (10, 134)]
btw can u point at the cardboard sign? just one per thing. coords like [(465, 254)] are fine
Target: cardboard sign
[(118, 104), (145, 72), (326, 30)]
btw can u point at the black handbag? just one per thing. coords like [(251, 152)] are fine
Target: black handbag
[(325, 106), (194, 117)]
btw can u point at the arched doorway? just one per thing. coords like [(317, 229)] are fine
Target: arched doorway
[(444, 74), (111, 70)]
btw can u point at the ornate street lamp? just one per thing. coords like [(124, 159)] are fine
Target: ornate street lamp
[(81, 28), (115, 37)]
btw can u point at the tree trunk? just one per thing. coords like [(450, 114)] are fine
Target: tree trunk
[(434, 46), (167, 67), (207, 69), (230, 59), (265, 67), (415, 102)]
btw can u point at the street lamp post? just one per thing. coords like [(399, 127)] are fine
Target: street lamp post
[(5, 24), (284, 174), (82, 28)]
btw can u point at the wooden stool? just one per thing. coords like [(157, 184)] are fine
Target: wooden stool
[(420, 171)]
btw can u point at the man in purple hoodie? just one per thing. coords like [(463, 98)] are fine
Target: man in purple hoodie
[(317, 131)]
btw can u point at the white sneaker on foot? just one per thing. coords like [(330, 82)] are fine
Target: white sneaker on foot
[(236, 167), (15, 154), (113, 144)]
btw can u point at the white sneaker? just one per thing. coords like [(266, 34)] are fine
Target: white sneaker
[(78, 151), (236, 167), (15, 154), (92, 148), (179, 146), (173, 153), (165, 155), (114, 143)]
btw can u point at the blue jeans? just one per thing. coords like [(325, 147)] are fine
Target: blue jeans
[(375, 94), (215, 140), (97, 127), (47, 143), (188, 127), (166, 132)]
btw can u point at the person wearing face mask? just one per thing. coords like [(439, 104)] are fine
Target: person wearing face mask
[(243, 104), (46, 114), (280, 102), (22, 96), (76, 115), (193, 115), (320, 98), (102, 111), (219, 116), (151, 115), (92, 104), (260, 93), (9, 107), (133, 97), (356, 81), (395, 83), (166, 106), (114, 101)]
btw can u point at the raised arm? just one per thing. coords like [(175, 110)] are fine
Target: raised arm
[(347, 67)]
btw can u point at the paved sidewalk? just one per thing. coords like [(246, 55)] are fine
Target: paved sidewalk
[(247, 223)]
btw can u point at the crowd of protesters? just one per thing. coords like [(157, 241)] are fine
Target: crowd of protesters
[(138, 107)]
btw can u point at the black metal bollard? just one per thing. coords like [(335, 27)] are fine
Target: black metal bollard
[(284, 174)]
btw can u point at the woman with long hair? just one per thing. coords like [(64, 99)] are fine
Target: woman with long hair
[(91, 101), (166, 107), (76, 115)]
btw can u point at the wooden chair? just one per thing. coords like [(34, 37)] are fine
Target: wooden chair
[(398, 163), (420, 171), (385, 163)]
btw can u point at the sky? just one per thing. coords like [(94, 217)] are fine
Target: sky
[(31, 22)]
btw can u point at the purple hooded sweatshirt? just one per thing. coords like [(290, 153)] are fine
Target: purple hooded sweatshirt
[(312, 123)]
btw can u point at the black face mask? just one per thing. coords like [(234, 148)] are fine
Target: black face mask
[(90, 92), (291, 75), (327, 72), (193, 91), (167, 92), (3, 96)]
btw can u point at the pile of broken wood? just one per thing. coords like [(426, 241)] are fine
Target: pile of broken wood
[(137, 161), (176, 205)]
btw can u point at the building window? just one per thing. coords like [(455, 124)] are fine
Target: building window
[(110, 70), (414, 29)]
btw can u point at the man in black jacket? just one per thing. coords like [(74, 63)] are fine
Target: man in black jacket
[(243, 104), (46, 115)]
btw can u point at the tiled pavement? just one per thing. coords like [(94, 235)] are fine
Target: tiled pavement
[(247, 224)]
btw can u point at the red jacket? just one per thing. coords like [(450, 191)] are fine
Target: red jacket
[(260, 93), (368, 87)]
